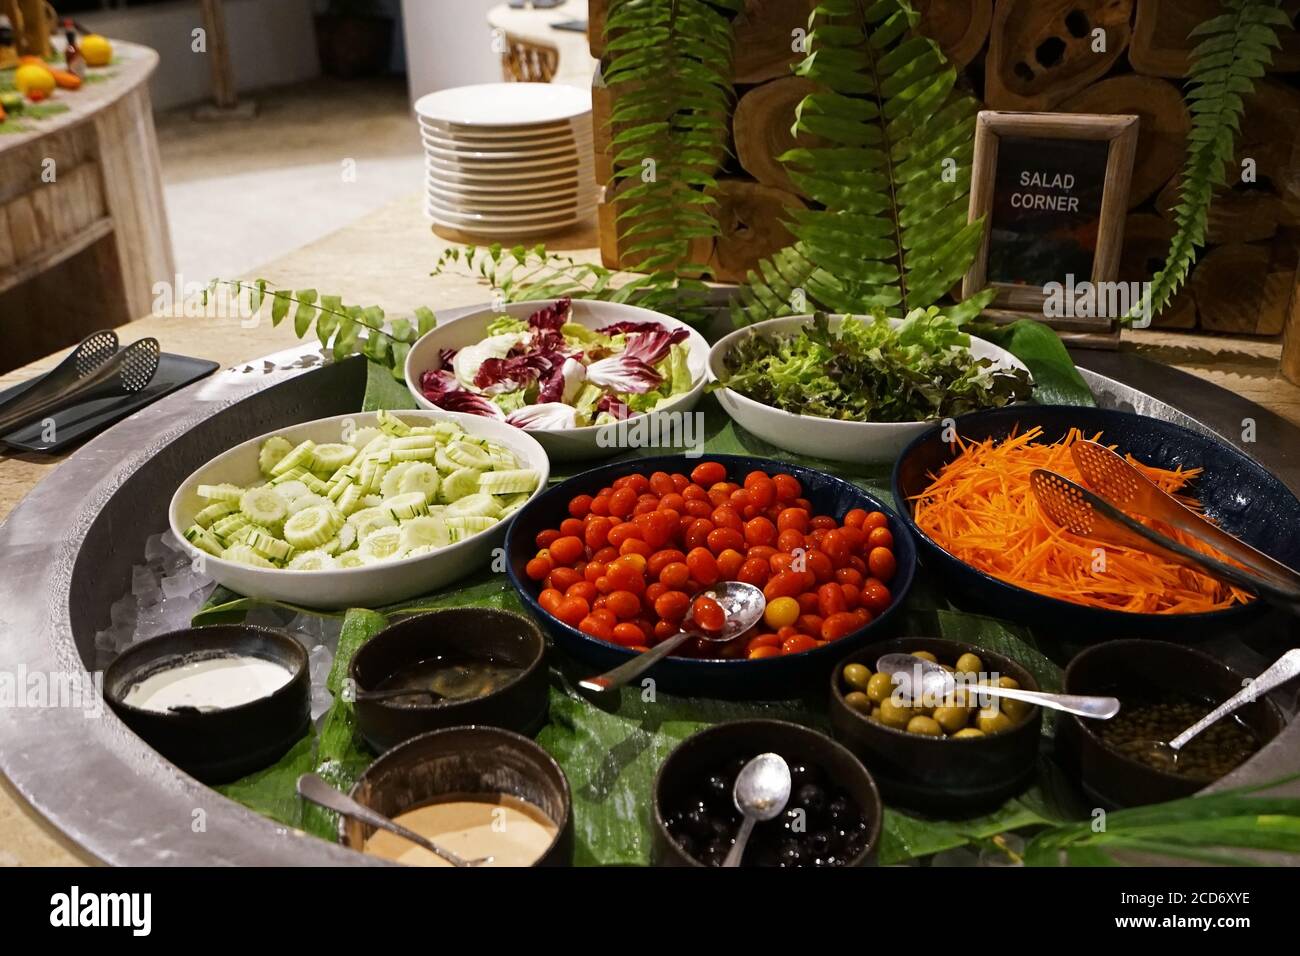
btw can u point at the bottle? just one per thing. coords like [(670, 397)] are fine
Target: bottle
[(76, 62)]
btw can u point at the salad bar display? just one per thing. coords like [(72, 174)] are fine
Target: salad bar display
[(473, 574)]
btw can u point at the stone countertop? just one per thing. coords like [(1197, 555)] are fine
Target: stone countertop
[(385, 259)]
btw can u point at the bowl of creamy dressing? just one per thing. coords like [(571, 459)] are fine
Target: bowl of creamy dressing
[(218, 701), (477, 791)]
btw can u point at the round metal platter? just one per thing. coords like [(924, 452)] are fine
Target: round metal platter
[(67, 550)]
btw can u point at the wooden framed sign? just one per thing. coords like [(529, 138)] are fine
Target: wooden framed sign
[(1053, 190)]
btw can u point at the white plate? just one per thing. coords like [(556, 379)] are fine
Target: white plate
[(859, 442), (551, 207), (575, 444), (509, 202), (437, 138), (492, 105), (509, 219), (371, 585), (507, 168), (493, 158), (474, 189)]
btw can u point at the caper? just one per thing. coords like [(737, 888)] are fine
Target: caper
[(857, 676), (858, 701), (992, 720), (892, 715), (967, 733), (951, 719), (924, 725), (969, 664), (880, 687)]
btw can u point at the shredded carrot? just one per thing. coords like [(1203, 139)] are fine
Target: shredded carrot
[(980, 509)]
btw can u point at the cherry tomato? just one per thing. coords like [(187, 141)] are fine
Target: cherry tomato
[(539, 567), (675, 574), (875, 596), (882, 564), (754, 571), (760, 531), (875, 519), (708, 473), (795, 518), (781, 612), (730, 562), (787, 487), (672, 606), (580, 506), (722, 539), (567, 550), (596, 627), (855, 518), (797, 644), (708, 615), (880, 537), (596, 534), (544, 538), (703, 566), (830, 600), (550, 599), (784, 584), (836, 626), (627, 634), (697, 535), (764, 651), (572, 610)]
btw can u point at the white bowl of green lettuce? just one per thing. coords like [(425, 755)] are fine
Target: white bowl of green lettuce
[(858, 388), (568, 372)]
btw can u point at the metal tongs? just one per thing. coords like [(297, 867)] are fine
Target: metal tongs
[(95, 369), (1090, 515)]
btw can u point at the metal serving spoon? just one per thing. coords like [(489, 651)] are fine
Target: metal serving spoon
[(938, 684), (394, 692), (1285, 668), (313, 788), (743, 604), (761, 792)]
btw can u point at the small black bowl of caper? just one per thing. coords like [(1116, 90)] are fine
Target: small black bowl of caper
[(1163, 689), (962, 754)]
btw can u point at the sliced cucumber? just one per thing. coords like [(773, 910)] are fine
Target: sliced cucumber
[(392, 482), (468, 455), (508, 482), (426, 531), (350, 559), (330, 457), (410, 505), (306, 501), (203, 539), (223, 492), (382, 544), (268, 546), (291, 491), (370, 520), (214, 511), (461, 482), (312, 527), (227, 526), (243, 554), (298, 457), (364, 436), (311, 561), (422, 477), (475, 504), (264, 506), (272, 453)]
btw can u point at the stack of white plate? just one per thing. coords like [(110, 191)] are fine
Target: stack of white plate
[(508, 159)]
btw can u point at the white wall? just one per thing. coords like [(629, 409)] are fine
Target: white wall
[(448, 43), (272, 42)]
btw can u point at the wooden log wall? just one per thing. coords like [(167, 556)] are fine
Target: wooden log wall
[(1039, 55)]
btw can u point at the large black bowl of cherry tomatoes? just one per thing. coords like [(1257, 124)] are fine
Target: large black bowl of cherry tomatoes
[(610, 559)]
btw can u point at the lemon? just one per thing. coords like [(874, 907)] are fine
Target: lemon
[(31, 78), (96, 50)]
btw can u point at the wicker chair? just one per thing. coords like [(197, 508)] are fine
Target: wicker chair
[(523, 61)]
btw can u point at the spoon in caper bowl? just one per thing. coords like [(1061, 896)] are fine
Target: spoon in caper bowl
[(915, 677), (1285, 668)]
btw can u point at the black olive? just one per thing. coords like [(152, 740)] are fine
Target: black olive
[(699, 825), (791, 853), (719, 788), (839, 811), (811, 797), (820, 843), (714, 854), (801, 773), (687, 844), (722, 829)]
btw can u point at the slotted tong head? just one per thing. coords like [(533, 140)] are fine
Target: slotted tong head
[(1119, 487), (95, 369)]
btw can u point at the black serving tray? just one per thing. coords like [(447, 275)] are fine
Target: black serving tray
[(83, 420)]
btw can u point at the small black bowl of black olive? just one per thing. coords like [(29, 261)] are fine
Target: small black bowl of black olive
[(832, 819)]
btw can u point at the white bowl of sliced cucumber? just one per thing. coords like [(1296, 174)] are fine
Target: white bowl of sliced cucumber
[(358, 510)]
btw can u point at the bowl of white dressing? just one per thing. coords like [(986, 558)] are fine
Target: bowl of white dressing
[(219, 701)]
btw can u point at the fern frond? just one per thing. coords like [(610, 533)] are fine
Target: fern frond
[(670, 61), (893, 180), (1236, 48)]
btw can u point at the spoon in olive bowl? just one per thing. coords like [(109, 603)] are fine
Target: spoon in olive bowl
[(314, 788), (939, 684), (761, 792), (1285, 668), (742, 604)]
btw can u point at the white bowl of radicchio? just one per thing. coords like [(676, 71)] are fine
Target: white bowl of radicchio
[(587, 379)]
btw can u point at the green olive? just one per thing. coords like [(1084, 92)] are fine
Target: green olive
[(924, 725), (857, 676), (1009, 682), (969, 664), (891, 715), (925, 656), (951, 719), (858, 701), (993, 720), (967, 732), (880, 687)]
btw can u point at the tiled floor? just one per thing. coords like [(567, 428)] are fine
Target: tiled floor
[(315, 157)]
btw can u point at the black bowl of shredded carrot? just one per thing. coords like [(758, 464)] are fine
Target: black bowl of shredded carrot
[(978, 524)]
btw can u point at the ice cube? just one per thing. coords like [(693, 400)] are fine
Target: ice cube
[(123, 611), (155, 548), (264, 615), (180, 584), (143, 578)]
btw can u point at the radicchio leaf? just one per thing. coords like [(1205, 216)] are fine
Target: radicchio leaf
[(440, 387), (552, 316), (623, 374), (497, 375), (547, 415), (630, 327), (614, 405), (563, 380), (651, 347)]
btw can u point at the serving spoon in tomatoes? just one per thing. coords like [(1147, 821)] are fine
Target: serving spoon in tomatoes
[(719, 613)]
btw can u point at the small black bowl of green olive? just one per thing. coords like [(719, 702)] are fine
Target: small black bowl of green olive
[(1163, 689), (956, 756)]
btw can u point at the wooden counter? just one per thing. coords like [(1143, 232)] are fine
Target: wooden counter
[(384, 259), (83, 229)]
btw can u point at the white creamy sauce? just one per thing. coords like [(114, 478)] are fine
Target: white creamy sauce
[(212, 684)]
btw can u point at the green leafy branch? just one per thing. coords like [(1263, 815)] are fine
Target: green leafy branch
[(527, 273), (1237, 48), (892, 182), (343, 329)]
